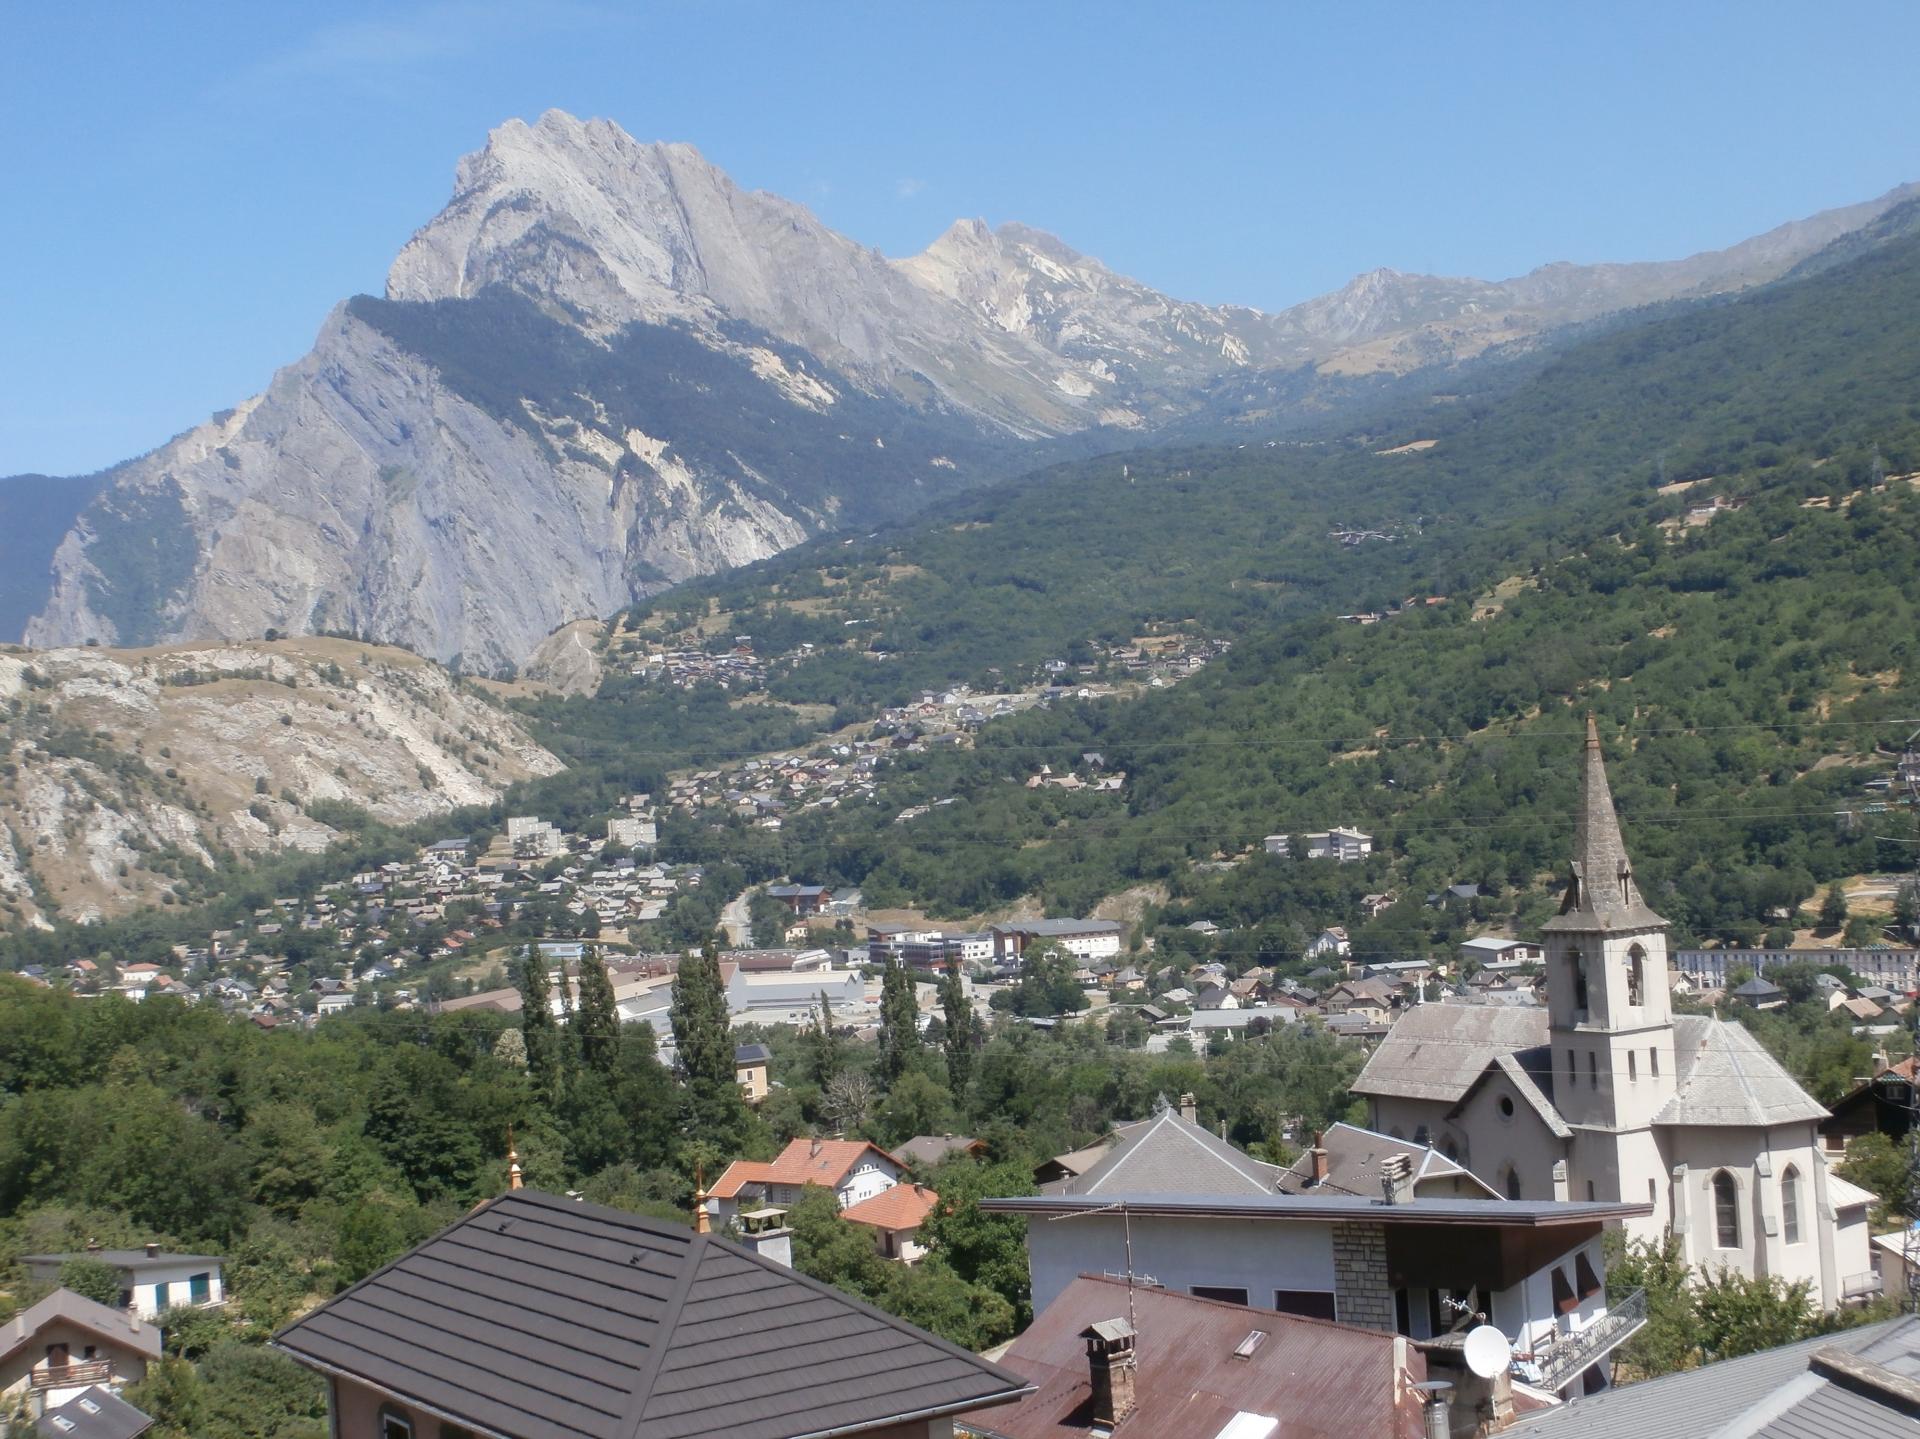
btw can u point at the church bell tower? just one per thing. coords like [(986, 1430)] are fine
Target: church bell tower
[(1608, 998)]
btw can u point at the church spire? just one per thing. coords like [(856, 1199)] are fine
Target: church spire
[(1601, 892)]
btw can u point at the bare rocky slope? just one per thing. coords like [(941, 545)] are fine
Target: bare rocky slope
[(121, 771), (604, 367)]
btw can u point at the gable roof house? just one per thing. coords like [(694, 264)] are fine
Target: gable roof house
[(54, 1351), (852, 1169), (538, 1317), (1604, 1094)]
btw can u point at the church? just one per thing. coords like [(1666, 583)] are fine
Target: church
[(1604, 1094)]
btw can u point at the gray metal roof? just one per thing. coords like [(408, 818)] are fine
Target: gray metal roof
[(1171, 1155), (134, 1259), (1728, 1078), (94, 1413), (1329, 1208), (1775, 1394), (541, 1318)]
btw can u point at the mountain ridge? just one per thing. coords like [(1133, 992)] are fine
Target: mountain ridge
[(728, 354)]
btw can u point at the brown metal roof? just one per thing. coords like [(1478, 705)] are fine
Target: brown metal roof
[(1318, 1378), (539, 1318)]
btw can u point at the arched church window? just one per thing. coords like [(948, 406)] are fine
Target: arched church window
[(1726, 1211), (1451, 1149), (1579, 963), (1513, 1183), (1790, 1203), (1636, 976)]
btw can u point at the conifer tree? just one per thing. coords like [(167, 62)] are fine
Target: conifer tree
[(960, 1022), (599, 1017)]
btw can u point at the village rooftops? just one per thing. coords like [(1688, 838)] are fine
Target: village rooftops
[(543, 1318)]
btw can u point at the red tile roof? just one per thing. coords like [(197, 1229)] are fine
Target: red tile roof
[(904, 1206), (800, 1164), (1318, 1378)]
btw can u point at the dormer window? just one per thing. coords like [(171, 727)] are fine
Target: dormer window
[(394, 1423)]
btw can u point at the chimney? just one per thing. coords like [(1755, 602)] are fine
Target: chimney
[(1436, 1409), (1395, 1171), (1110, 1370), (1189, 1111), (1318, 1154), (153, 1250), (813, 1147)]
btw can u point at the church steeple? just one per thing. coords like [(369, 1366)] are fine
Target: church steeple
[(1601, 893)]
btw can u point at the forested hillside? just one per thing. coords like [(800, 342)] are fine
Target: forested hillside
[(1745, 660)]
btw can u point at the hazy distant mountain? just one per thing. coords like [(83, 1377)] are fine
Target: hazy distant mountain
[(604, 367)]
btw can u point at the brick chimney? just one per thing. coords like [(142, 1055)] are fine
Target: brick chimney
[(1318, 1154), (153, 1250), (1189, 1110), (1110, 1370)]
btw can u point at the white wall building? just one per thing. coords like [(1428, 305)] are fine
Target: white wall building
[(1605, 1095), (152, 1281)]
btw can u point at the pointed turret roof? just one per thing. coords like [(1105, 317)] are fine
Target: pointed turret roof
[(1601, 892)]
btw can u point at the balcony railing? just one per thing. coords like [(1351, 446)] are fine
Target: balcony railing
[(69, 1376), (1569, 1355)]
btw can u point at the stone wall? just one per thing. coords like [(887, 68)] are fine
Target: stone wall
[(1361, 1292)]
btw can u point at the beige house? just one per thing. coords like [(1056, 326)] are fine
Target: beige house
[(1605, 1095), (54, 1351)]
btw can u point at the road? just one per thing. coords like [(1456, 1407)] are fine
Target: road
[(734, 922)]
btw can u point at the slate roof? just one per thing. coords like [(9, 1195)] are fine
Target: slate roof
[(1846, 1383), (1728, 1078), (1307, 1377), (1354, 1157), (118, 1326), (930, 1149), (1437, 1051), (1169, 1155), (541, 1318), (94, 1413)]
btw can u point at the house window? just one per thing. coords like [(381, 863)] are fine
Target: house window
[(1790, 1203), (1633, 1068), (455, 1431), (1565, 1301), (394, 1424), (1311, 1303), (1726, 1211), (1636, 976), (1653, 1063), (1215, 1291), (1585, 1280)]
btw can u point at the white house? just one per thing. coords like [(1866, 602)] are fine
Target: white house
[(852, 1169), (1342, 844), (152, 1281), (1604, 1095), (1082, 938), (1188, 1212)]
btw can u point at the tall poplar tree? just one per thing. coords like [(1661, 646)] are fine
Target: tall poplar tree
[(899, 1023), (961, 1029), (536, 1022), (598, 1018), (700, 1029)]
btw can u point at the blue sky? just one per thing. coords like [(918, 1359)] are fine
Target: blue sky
[(190, 187)]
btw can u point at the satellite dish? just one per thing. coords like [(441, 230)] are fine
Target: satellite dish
[(1487, 1352)]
